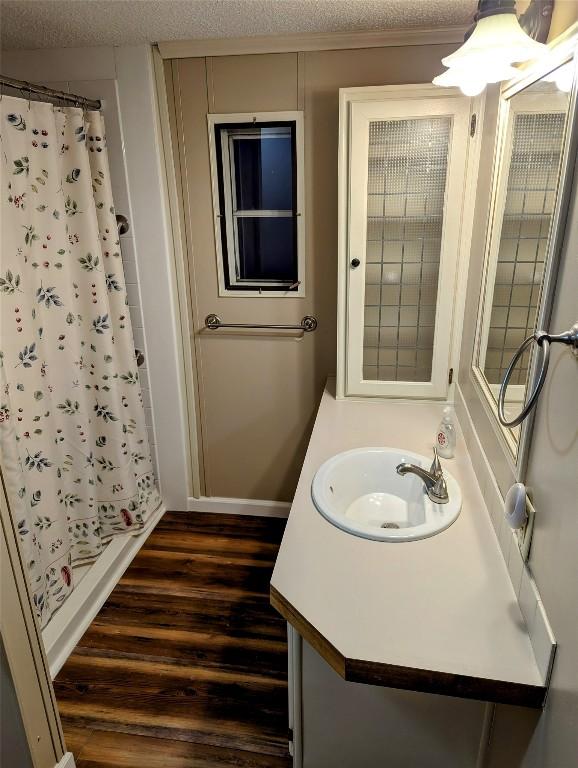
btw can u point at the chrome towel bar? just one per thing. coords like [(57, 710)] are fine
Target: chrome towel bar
[(307, 324), (543, 340)]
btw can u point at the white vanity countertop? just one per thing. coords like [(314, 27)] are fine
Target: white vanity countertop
[(437, 614)]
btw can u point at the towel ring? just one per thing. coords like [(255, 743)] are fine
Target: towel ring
[(543, 340)]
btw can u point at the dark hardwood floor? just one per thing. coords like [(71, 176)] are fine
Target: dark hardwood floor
[(185, 666)]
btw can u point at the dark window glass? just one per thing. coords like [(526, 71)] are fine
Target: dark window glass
[(266, 249), (257, 176), (263, 163)]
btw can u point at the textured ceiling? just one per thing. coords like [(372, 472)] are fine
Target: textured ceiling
[(74, 23)]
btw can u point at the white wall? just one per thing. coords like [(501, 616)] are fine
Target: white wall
[(523, 738), (551, 741), (123, 79)]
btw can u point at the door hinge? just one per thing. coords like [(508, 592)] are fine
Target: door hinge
[(473, 123), (451, 376)]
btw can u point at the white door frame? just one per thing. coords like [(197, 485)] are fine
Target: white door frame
[(175, 213), (155, 229), (22, 638)]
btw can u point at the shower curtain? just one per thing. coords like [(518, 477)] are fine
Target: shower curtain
[(74, 448)]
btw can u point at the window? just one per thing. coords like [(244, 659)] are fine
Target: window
[(257, 196)]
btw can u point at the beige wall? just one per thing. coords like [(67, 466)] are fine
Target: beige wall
[(258, 396), (565, 14)]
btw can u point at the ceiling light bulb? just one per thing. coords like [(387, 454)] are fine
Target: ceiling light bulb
[(473, 79), (564, 79), (472, 87)]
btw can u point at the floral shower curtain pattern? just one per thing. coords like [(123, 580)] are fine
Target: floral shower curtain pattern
[(74, 445)]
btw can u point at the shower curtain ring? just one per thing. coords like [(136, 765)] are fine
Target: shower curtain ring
[(85, 120)]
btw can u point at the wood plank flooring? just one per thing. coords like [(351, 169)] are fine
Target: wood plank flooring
[(185, 666)]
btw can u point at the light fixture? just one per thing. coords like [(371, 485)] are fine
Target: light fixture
[(472, 80), (495, 44)]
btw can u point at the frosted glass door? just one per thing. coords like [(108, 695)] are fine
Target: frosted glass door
[(406, 189)]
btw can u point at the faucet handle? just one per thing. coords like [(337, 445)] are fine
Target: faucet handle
[(436, 467), (439, 492)]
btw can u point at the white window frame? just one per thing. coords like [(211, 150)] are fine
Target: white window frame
[(254, 118), (358, 107)]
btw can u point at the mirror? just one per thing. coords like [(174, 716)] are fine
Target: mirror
[(528, 179)]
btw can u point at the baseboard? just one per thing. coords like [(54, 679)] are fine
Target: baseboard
[(222, 505), (67, 761), (67, 626)]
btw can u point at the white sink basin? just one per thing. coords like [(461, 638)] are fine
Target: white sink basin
[(360, 492)]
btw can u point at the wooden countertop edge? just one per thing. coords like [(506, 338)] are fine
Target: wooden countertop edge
[(409, 678)]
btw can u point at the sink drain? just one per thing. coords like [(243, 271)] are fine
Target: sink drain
[(389, 525)]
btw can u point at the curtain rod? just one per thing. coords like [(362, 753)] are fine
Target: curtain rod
[(51, 93)]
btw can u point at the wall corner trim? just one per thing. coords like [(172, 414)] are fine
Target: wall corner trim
[(67, 761), (150, 219)]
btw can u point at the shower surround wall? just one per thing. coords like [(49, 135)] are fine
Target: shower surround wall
[(122, 78)]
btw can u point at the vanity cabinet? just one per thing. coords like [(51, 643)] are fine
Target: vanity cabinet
[(397, 650), (352, 725)]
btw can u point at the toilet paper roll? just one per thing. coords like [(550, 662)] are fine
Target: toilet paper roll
[(515, 506)]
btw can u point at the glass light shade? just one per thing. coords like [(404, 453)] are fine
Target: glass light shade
[(472, 80), (495, 39)]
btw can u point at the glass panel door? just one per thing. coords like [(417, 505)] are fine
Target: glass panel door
[(407, 172)]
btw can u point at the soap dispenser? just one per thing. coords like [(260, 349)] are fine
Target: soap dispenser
[(446, 435)]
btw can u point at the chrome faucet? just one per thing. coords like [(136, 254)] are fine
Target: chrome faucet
[(434, 481)]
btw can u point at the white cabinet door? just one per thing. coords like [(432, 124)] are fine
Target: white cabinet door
[(406, 166)]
